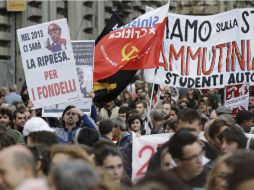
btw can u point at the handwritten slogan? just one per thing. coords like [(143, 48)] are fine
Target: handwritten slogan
[(207, 51), (48, 63)]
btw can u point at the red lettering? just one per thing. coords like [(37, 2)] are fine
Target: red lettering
[(208, 72), (235, 51), (180, 54), (57, 89), (51, 74), (74, 85), (193, 57), (220, 46), (45, 91), (32, 90), (39, 90), (228, 57), (143, 168), (62, 88)]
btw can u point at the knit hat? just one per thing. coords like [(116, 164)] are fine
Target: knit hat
[(106, 126), (36, 124)]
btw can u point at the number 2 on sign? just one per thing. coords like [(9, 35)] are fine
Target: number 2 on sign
[(143, 168)]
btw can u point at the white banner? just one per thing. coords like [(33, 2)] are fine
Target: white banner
[(145, 146), (207, 51), (142, 150), (48, 63), (84, 59)]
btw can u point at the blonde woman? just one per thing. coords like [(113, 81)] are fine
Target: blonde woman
[(217, 178)]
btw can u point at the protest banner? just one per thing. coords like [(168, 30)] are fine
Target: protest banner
[(207, 51), (142, 149), (48, 63), (237, 97), (84, 59), (145, 146)]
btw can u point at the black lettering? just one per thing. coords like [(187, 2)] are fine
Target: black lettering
[(191, 83), (206, 81), (191, 25), (231, 79), (183, 81), (177, 26), (239, 77), (218, 27), (168, 75), (244, 14), (205, 38), (197, 82)]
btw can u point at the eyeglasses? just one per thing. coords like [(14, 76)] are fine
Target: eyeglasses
[(195, 157)]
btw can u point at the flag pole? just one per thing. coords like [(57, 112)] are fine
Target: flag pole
[(151, 97)]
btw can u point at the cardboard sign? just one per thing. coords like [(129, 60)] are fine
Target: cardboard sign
[(48, 63), (84, 60)]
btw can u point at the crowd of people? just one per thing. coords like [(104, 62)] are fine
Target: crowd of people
[(209, 148)]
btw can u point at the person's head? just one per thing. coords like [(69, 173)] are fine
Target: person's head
[(54, 31), (70, 116), (215, 129), (109, 105), (174, 112), (141, 107), (5, 138), (61, 152), (19, 118), (106, 126), (5, 117), (160, 180), (140, 93), (170, 126), (134, 123), (189, 118), (245, 119), (87, 136), (166, 160), (217, 178), (157, 118), (42, 159), (16, 165), (13, 88), (166, 108), (251, 99), (80, 74), (111, 161), (187, 151), (124, 112), (202, 106), (183, 103), (119, 123), (232, 139), (37, 131), (242, 177), (72, 175), (41, 137)]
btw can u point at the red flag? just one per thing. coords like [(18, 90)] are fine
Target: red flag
[(134, 46)]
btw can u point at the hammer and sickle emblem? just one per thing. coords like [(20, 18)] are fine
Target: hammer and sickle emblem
[(130, 55)]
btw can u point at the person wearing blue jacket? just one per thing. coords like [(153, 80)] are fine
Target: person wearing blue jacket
[(72, 118)]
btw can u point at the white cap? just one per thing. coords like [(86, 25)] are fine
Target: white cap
[(36, 124)]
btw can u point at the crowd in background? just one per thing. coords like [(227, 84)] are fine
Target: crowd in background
[(94, 152)]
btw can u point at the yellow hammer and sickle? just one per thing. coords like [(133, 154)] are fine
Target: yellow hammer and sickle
[(130, 55)]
